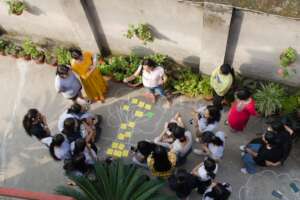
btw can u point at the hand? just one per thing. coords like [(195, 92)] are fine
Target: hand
[(44, 120), (125, 80)]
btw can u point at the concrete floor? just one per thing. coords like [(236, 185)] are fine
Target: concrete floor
[(25, 163)]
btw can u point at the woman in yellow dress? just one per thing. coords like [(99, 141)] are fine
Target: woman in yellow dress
[(94, 85)]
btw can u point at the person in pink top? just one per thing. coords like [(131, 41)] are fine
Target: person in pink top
[(241, 110)]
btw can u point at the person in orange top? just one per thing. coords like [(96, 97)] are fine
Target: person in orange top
[(94, 85)]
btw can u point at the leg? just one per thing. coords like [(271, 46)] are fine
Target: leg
[(217, 101), (160, 91), (151, 95), (248, 160)]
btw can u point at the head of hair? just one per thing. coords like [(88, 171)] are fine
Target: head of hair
[(214, 114), (179, 134), (69, 126), (243, 94), (180, 177), (210, 166), (225, 69), (219, 192), (57, 141), (62, 70), (76, 163), (149, 62), (29, 118), (172, 126), (75, 108), (145, 147), (79, 146), (161, 160), (76, 53), (270, 138), (217, 141), (277, 126)]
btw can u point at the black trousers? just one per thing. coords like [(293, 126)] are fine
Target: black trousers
[(217, 100)]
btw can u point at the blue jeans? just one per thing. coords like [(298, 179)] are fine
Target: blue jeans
[(157, 90), (248, 160)]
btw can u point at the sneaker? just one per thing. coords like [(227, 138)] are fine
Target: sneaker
[(242, 147), (198, 152), (244, 171)]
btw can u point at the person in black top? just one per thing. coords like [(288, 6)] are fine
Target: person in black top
[(267, 154), (35, 124), (217, 191), (182, 183), (72, 129), (141, 153)]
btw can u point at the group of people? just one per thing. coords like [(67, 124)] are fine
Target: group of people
[(79, 129)]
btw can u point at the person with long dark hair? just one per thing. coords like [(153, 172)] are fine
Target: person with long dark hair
[(59, 148), (72, 129), (141, 152), (221, 80), (183, 183), (81, 146), (35, 124), (217, 191), (161, 162), (84, 66), (206, 172)]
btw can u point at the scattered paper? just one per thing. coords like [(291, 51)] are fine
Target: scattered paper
[(121, 146), (120, 137), (118, 153), (115, 145), (141, 104), (123, 126), (126, 107), (149, 114), (125, 153), (109, 151), (127, 134), (148, 107), (131, 124), (139, 114), (134, 101)]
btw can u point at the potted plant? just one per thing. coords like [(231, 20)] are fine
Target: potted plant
[(141, 31), (287, 57), (269, 99), (3, 44), (12, 49), (50, 59), (63, 56), (29, 49), (16, 7)]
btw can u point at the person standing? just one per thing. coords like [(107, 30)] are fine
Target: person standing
[(221, 81), (94, 85), (153, 78), (241, 110)]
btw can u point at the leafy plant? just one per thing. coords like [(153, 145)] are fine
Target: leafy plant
[(188, 83), (159, 59), (3, 44), (288, 56), (63, 56), (290, 103), (29, 48), (16, 7), (205, 87), (115, 181), (12, 49), (269, 98), (141, 31)]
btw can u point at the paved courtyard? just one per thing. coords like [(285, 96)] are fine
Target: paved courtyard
[(25, 163)]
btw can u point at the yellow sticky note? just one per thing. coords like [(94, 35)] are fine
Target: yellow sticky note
[(131, 124), (114, 145), (120, 136), (127, 134), (141, 104), (139, 114), (126, 107), (148, 107), (121, 146), (109, 151), (134, 101), (123, 126), (125, 153), (117, 153)]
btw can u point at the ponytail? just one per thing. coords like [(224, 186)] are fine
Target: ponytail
[(52, 153), (57, 141), (210, 166)]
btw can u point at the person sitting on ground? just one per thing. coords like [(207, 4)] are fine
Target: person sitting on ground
[(221, 80), (81, 146), (213, 145), (72, 129), (183, 183), (284, 137), (161, 162), (166, 137), (153, 78), (35, 124), (267, 154), (207, 118), (67, 83), (141, 153), (59, 147), (206, 172), (77, 166), (217, 191), (241, 110)]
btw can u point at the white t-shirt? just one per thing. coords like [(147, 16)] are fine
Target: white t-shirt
[(69, 86), (202, 122), (178, 146), (63, 117), (88, 154), (217, 151), (63, 152), (202, 173), (209, 189), (154, 78)]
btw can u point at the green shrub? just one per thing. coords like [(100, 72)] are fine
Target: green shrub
[(269, 98), (141, 31), (290, 103), (205, 87), (288, 57), (63, 56), (16, 7), (159, 59), (3, 44), (188, 83)]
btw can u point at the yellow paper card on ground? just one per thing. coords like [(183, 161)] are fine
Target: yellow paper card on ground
[(121, 146), (131, 124), (114, 145), (134, 101), (123, 126), (125, 153), (126, 107), (117, 153), (148, 107), (141, 104), (109, 151), (121, 136), (139, 114), (127, 134)]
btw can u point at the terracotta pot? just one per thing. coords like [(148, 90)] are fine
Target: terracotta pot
[(40, 59), (107, 78), (2, 53), (27, 57), (208, 98)]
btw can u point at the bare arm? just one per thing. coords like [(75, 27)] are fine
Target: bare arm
[(251, 152), (194, 171), (136, 73), (289, 130), (273, 164)]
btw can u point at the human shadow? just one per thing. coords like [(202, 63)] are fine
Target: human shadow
[(141, 51), (192, 62), (159, 35), (34, 10)]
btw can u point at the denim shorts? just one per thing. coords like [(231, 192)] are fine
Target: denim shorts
[(157, 90)]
